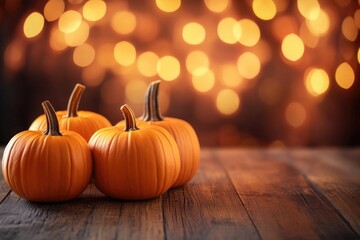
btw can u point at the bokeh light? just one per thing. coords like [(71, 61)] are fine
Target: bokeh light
[(79, 36), (168, 68), (197, 63), (53, 9), (320, 25), (204, 82), (250, 32), (123, 22), (227, 101), (316, 81), (193, 33), (69, 21), (264, 9), (147, 63), (94, 10), (168, 6), (229, 31), (345, 75), (124, 53), (292, 47), (33, 25), (230, 75), (309, 9), (295, 114), (84, 55), (217, 5), (248, 65), (349, 29)]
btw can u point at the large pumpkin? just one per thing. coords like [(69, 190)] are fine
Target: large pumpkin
[(134, 162), (182, 131), (83, 122), (47, 166)]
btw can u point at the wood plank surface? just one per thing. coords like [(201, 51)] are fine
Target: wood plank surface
[(236, 194), (336, 175), (280, 201)]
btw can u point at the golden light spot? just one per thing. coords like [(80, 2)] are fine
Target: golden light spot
[(248, 65), (57, 40), (349, 29), (345, 75), (147, 64), (69, 21), (168, 5), (358, 55), (84, 55), (205, 82), (94, 10), (168, 68), (319, 26), (250, 32), (135, 90), (264, 9), (53, 9), (33, 25), (295, 114), (316, 81), (14, 55), (193, 33), (217, 5), (197, 63), (229, 31), (309, 9), (227, 101), (93, 75), (124, 53), (79, 36), (230, 75), (357, 18), (123, 22), (308, 38), (292, 47)]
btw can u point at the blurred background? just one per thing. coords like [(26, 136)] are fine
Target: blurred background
[(270, 73)]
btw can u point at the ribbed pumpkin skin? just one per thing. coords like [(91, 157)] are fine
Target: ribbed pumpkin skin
[(188, 144), (134, 165), (85, 124), (44, 168)]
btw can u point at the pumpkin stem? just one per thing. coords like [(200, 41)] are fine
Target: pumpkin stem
[(130, 121), (145, 115), (152, 109), (74, 100), (52, 123)]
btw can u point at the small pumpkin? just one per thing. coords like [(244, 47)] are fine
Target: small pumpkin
[(49, 166), (183, 133), (83, 122), (133, 162)]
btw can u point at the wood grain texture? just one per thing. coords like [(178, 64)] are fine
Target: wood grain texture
[(336, 175), (236, 194), (280, 200), (208, 207), (4, 188)]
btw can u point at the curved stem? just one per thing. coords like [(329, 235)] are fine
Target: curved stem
[(74, 100), (152, 109), (52, 123), (130, 121), (147, 101)]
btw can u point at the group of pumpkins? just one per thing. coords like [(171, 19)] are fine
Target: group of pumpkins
[(136, 159)]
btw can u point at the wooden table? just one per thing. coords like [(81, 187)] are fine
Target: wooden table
[(236, 194)]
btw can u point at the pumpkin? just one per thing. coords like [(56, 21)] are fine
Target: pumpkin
[(49, 166), (183, 133), (133, 162), (83, 122)]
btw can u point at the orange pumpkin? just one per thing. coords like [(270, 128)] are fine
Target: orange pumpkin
[(83, 122), (183, 133), (134, 162), (47, 166)]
